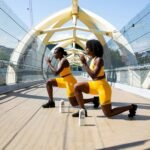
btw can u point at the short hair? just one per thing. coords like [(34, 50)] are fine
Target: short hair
[(96, 47), (60, 49)]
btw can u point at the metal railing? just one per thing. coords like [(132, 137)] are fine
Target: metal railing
[(137, 76)]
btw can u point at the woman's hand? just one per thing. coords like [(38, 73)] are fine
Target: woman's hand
[(48, 60), (82, 58)]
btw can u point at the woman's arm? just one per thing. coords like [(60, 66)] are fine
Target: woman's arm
[(64, 63), (98, 63)]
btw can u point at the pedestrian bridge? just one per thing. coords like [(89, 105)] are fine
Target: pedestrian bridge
[(22, 56), (23, 72)]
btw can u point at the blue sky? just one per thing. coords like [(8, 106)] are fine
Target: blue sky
[(117, 12)]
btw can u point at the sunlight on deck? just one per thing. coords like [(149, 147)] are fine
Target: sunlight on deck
[(25, 125)]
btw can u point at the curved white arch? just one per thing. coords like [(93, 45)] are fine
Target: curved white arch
[(91, 20), (103, 25), (63, 15)]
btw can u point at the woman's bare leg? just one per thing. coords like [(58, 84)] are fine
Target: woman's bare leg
[(74, 102), (107, 109), (49, 86), (79, 88), (109, 112)]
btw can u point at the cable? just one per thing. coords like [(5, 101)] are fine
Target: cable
[(134, 39), (14, 20), (9, 34), (135, 23)]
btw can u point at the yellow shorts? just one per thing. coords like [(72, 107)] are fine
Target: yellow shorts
[(67, 82), (102, 88)]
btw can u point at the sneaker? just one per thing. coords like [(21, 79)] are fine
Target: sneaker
[(96, 102), (132, 112), (77, 114), (50, 104)]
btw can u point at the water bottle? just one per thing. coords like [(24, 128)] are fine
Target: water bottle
[(81, 117), (61, 106)]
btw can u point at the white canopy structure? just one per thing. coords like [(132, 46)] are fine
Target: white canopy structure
[(93, 24)]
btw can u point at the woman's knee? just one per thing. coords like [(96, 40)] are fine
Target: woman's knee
[(73, 101), (77, 87), (108, 114), (107, 110), (81, 87), (49, 82)]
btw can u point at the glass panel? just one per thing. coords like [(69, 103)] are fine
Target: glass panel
[(12, 31), (137, 32)]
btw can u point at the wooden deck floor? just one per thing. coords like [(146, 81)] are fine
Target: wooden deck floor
[(25, 125)]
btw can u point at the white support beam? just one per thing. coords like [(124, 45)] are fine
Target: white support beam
[(74, 20), (82, 39), (74, 29), (61, 40), (57, 30), (75, 8), (108, 33), (75, 51)]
